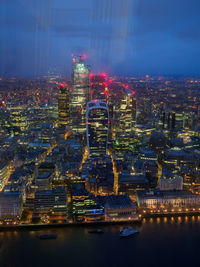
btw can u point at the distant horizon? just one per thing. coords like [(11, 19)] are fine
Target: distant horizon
[(175, 76)]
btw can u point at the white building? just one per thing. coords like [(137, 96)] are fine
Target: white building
[(172, 183)]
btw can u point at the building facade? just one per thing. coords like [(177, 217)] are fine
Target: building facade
[(167, 201), (99, 87), (171, 183), (120, 208), (63, 105), (79, 95), (123, 125), (10, 206), (97, 124)]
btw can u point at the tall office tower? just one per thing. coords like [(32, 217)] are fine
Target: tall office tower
[(147, 108), (63, 105), (168, 120), (123, 126), (79, 95), (99, 87), (198, 112), (18, 118), (134, 108), (46, 133), (173, 122), (198, 115), (97, 124), (163, 119)]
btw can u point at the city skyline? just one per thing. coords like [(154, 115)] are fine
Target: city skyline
[(99, 133)]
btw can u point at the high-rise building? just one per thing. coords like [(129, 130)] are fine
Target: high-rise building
[(97, 123), (147, 107), (123, 125), (63, 105), (198, 112), (99, 87), (79, 95), (173, 123), (46, 133), (18, 116)]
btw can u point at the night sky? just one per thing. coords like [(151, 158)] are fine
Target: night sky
[(127, 37)]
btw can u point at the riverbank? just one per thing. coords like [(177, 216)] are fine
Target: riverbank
[(9, 227), (59, 225)]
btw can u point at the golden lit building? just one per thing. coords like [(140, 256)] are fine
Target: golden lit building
[(63, 105)]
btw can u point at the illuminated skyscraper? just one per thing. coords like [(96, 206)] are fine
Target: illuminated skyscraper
[(18, 117), (97, 123), (63, 105), (123, 125), (79, 95), (99, 87)]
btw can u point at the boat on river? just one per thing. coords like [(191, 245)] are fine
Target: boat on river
[(96, 231), (48, 236), (128, 231)]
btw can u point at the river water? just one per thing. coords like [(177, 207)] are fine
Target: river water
[(161, 242)]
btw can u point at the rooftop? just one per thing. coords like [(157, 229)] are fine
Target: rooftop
[(117, 201), (156, 193)]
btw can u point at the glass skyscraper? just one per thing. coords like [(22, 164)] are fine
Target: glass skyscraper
[(63, 105), (99, 87), (123, 125), (97, 123), (79, 94)]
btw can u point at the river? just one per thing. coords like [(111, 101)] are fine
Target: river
[(161, 242)]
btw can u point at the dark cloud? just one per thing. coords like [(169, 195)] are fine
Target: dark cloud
[(144, 35)]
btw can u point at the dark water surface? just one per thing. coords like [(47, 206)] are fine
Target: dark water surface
[(161, 242)]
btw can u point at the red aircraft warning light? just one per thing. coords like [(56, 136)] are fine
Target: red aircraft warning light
[(103, 75), (63, 85)]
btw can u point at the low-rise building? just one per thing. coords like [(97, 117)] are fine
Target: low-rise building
[(167, 202), (129, 183), (85, 207), (171, 183), (4, 173), (120, 208), (10, 206), (44, 180), (51, 204)]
